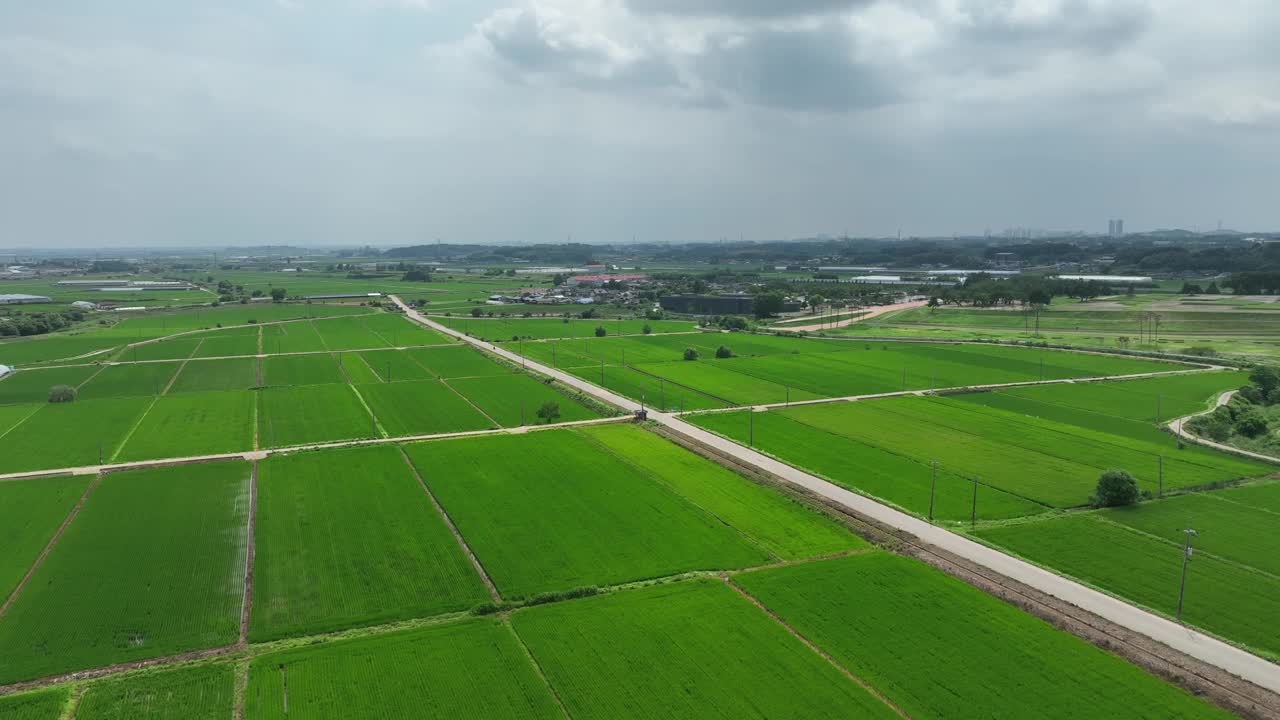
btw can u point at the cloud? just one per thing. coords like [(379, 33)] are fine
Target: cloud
[(742, 8)]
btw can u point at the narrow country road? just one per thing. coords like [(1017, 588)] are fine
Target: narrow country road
[(873, 312), (1186, 640), (1178, 427)]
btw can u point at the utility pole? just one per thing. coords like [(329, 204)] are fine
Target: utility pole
[(1157, 409), (662, 393), (1188, 533), (602, 372), (1161, 476), (904, 379), (973, 517), (932, 488), (751, 427)]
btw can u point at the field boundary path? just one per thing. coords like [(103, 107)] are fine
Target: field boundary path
[(1183, 639), (256, 455), (871, 313), (1178, 428)]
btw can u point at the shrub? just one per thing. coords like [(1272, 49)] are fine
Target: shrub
[(1115, 488), (1251, 422), (723, 352), (62, 394), (600, 331), (550, 597), (646, 329), (690, 354)]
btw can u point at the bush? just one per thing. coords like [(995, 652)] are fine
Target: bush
[(646, 329), (723, 352), (550, 597), (1115, 488), (600, 331), (1251, 423), (690, 354), (62, 394)]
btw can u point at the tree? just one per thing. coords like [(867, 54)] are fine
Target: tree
[(1115, 488), (934, 302), (549, 412), (1267, 379), (62, 394), (723, 352), (416, 276), (278, 294), (1212, 289), (1190, 288), (768, 304), (1251, 422), (600, 331), (477, 312), (646, 329), (690, 354)]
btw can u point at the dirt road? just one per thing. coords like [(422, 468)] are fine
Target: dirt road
[(1191, 642)]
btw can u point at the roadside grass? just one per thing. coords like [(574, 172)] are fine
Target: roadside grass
[(686, 650), (1230, 600), (153, 565), (473, 669), (942, 649), (30, 513), (29, 386), (70, 434), (213, 375), (310, 414), (293, 370), (203, 692), (421, 408), (513, 400), (192, 424), (552, 511), (347, 538), (782, 526)]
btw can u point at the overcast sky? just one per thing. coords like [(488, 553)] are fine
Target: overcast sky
[(399, 121)]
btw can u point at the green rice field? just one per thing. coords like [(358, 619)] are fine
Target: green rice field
[(132, 380), (552, 511), (348, 538), (30, 513), (501, 328), (33, 385), (474, 669), (152, 565), (1226, 597), (208, 375), (426, 407), (197, 693), (192, 424), (939, 648), (304, 415), (513, 400), (38, 705), (70, 434), (288, 370), (727, 659)]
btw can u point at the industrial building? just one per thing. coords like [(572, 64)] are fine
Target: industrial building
[(21, 299), (708, 304)]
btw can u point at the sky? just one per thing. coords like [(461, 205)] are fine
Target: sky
[(395, 122)]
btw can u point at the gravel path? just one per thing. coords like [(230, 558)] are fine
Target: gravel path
[(1179, 637), (1178, 427)]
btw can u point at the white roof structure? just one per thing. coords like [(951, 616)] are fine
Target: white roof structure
[(1109, 278), (5, 370)]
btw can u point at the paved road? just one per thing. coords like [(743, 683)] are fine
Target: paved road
[(1181, 638), (1178, 428), (873, 312)]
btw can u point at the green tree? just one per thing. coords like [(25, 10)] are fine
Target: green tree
[(690, 354), (1115, 488), (646, 329), (723, 352), (768, 304), (62, 394), (600, 331), (278, 294), (477, 312), (549, 412), (1251, 422), (1267, 380)]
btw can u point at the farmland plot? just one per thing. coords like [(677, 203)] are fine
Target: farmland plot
[(193, 424), (229, 343), (720, 381), (348, 334), (129, 380), (27, 386), (421, 408), (513, 400), (456, 362), (39, 705), (153, 565), (30, 512), (1235, 602), (472, 669), (70, 434), (207, 375), (49, 348), (356, 370), (499, 328), (399, 331), (1139, 400), (198, 693), (652, 391), (1228, 530), (778, 524), (179, 348), (864, 467), (311, 414), (395, 366), (13, 415), (685, 650), (348, 538), (939, 648), (1264, 496), (293, 337), (552, 511), (301, 370)]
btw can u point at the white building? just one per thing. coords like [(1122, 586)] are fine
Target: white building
[(1112, 279), (21, 299), (5, 370)]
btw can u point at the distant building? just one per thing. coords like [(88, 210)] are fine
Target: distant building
[(84, 305), (708, 304), (21, 299), (577, 280), (1115, 228), (1112, 279)]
